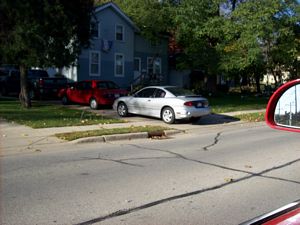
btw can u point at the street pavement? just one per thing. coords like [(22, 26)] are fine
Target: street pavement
[(16, 138)]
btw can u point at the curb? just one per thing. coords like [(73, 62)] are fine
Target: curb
[(129, 136)]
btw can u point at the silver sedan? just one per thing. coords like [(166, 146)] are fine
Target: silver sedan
[(168, 103)]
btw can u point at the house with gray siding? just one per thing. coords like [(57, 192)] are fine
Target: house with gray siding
[(118, 52)]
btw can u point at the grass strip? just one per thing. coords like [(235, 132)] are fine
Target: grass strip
[(232, 103), (252, 117), (45, 115), (70, 136)]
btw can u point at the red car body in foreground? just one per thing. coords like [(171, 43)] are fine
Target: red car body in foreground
[(92, 92), (283, 113)]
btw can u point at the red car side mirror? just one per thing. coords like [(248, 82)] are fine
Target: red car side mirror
[(283, 110)]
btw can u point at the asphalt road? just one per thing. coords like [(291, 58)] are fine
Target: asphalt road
[(218, 175)]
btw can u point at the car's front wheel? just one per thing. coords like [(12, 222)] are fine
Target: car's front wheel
[(168, 115), (94, 104), (122, 109)]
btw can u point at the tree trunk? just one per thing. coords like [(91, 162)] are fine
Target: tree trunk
[(24, 94), (257, 82)]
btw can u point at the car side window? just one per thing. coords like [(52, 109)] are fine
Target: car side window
[(112, 85), (145, 93), (159, 93), (101, 85), (84, 86), (79, 86)]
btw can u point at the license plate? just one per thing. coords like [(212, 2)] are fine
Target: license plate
[(199, 105)]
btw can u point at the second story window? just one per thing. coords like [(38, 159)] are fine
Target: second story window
[(119, 33), (95, 29)]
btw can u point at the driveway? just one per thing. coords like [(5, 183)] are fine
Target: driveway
[(212, 119)]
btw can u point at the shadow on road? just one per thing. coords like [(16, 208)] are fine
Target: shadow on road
[(214, 119)]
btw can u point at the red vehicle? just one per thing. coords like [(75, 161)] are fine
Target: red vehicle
[(283, 113), (92, 92)]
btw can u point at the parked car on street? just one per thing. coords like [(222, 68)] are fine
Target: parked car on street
[(43, 86), (93, 92), (169, 103), (40, 85), (9, 81)]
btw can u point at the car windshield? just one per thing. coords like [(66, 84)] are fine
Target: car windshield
[(177, 91), (37, 73)]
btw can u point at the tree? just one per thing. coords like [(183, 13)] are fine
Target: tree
[(153, 17), (42, 33), (260, 34), (198, 32)]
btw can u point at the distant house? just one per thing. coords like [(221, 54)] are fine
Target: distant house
[(118, 52)]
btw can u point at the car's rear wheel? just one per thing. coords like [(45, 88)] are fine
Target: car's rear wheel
[(65, 100), (122, 109), (94, 104), (168, 115)]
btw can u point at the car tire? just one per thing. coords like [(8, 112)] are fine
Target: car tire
[(122, 109), (65, 100), (168, 115), (94, 104)]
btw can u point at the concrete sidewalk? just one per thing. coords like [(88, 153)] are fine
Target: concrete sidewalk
[(15, 138)]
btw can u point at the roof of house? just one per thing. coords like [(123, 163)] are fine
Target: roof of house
[(114, 7)]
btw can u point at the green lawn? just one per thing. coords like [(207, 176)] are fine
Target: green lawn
[(43, 115), (252, 117), (231, 103)]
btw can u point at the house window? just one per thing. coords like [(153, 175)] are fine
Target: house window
[(95, 29), (119, 33), (153, 65), (94, 63), (119, 65)]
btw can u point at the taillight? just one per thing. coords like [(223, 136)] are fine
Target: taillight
[(197, 104), (189, 104), (41, 82)]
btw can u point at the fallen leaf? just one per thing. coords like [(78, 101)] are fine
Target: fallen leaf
[(229, 179)]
